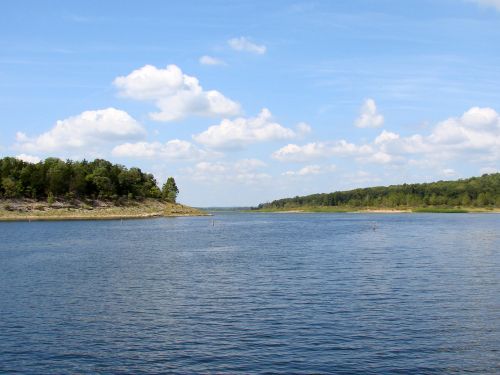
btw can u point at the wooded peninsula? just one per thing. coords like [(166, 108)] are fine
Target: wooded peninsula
[(475, 194), (99, 189)]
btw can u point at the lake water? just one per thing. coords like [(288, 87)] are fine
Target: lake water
[(252, 293)]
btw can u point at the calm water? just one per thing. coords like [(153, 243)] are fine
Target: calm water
[(255, 293)]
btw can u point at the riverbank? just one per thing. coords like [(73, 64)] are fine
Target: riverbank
[(376, 210), (33, 210)]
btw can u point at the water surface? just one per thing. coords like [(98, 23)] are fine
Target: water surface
[(253, 293)]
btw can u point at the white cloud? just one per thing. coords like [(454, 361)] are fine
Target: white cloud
[(378, 157), (310, 170), (237, 133), (177, 95), (449, 172), (476, 134), (209, 60), (28, 158), (172, 150), (307, 170), (88, 131), (249, 164), (303, 128), (488, 3), (244, 44), (488, 170), (472, 137), (246, 171), (369, 116), (386, 136), (319, 150)]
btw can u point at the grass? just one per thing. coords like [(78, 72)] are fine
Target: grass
[(442, 210)]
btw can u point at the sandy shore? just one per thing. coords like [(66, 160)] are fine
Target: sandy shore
[(96, 217), (471, 210), (291, 212), (30, 210), (381, 211), (334, 212)]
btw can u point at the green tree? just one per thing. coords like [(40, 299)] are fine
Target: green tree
[(78, 182), (131, 181), (82, 179), (11, 188), (58, 176), (169, 190), (481, 191), (50, 198)]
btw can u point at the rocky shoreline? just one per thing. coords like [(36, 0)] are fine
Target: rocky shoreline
[(34, 210)]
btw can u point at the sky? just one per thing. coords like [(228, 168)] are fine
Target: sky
[(243, 102)]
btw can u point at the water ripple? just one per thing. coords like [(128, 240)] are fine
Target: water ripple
[(263, 293)]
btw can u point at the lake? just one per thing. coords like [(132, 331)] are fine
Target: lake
[(252, 293)]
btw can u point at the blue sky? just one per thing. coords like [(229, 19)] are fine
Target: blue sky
[(245, 102)]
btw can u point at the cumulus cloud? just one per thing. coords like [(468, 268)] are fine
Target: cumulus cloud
[(244, 44), (488, 170), (303, 128), (310, 170), (369, 116), (379, 157), (209, 60), (177, 95), (474, 136), (449, 172), (28, 158), (246, 171), (172, 150), (88, 131), (237, 133), (319, 150), (385, 136), (488, 3)]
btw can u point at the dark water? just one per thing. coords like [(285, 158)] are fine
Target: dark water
[(256, 293)]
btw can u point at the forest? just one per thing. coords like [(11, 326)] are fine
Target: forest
[(98, 179), (481, 191)]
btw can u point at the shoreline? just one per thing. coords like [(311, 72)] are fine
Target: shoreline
[(419, 210), (382, 211), (93, 218), (29, 210)]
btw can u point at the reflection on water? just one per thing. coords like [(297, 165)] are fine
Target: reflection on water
[(316, 293)]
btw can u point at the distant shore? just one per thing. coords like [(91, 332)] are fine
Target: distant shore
[(375, 210), (32, 210)]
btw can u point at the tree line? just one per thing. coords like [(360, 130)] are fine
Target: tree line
[(481, 191), (98, 179)]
